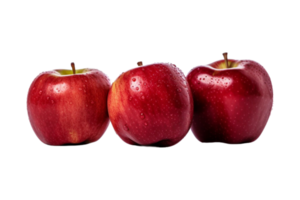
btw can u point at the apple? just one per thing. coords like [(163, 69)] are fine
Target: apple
[(232, 101), (69, 106), (151, 105)]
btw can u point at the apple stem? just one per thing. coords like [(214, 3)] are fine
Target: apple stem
[(73, 68), (226, 59), (139, 63)]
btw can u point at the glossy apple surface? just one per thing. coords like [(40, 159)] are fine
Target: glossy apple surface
[(64, 108), (151, 105), (232, 103)]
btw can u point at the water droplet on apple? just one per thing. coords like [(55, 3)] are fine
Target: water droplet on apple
[(33, 88), (137, 88), (142, 116), (40, 92), (143, 97), (146, 124), (126, 127), (133, 79)]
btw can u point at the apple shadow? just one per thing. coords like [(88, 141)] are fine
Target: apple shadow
[(79, 144), (160, 144)]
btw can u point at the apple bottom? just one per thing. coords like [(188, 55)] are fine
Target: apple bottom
[(152, 135), (80, 144), (73, 144), (211, 137), (230, 134), (61, 135)]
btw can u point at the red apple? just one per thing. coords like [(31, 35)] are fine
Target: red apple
[(151, 105), (66, 107), (232, 101)]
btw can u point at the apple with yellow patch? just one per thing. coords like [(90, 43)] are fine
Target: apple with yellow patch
[(69, 106), (151, 105)]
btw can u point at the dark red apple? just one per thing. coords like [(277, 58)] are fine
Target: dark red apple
[(66, 107), (232, 101), (151, 105)]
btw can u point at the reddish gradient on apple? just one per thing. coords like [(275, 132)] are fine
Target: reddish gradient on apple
[(151, 105), (232, 101), (67, 108)]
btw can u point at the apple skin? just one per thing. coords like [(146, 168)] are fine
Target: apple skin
[(231, 105), (151, 105), (69, 109)]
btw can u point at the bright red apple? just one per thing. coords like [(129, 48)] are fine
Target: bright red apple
[(69, 106), (151, 105), (232, 101)]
